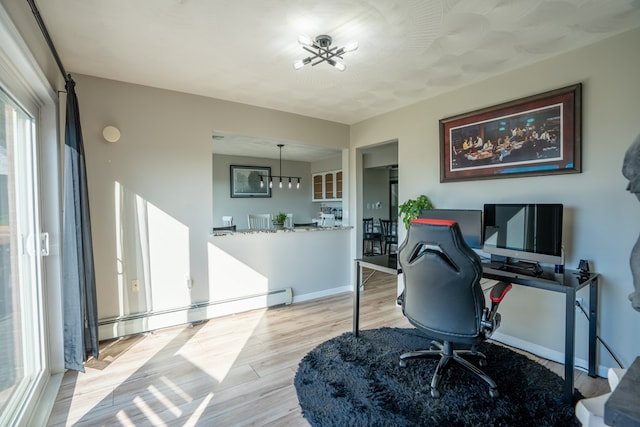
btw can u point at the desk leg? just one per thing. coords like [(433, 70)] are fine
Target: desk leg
[(569, 343), (356, 299), (593, 324)]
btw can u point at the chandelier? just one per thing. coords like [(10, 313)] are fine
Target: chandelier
[(279, 177), (321, 51)]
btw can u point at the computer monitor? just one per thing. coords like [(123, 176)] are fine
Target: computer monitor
[(524, 232), (470, 222)]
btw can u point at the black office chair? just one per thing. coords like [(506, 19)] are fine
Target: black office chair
[(443, 297), (389, 230), (371, 237)]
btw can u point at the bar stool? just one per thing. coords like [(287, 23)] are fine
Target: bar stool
[(369, 235)]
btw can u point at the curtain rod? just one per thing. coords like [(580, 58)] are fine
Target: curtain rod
[(47, 38)]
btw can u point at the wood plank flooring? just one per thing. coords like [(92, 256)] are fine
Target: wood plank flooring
[(232, 371)]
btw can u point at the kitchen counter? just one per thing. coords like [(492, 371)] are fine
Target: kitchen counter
[(219, 233)]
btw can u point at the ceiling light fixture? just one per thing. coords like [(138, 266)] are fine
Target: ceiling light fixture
[(322, 51), (279, 177)]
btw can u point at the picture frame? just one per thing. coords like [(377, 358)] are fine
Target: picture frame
[(536, 135), (245, 181)]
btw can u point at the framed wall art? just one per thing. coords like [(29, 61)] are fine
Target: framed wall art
[(245, 181), (537, 135)]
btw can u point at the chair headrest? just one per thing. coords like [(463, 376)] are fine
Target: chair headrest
[(432, 221)]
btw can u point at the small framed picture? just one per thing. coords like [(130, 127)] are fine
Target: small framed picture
[(250, 181)]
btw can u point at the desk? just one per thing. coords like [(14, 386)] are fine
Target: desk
[(621, 408), (567, 283), (386, 264)]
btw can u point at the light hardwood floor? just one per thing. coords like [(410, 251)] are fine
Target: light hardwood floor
[(231, 371)]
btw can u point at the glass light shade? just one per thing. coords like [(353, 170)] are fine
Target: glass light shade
[(339, 65), (351, 47), (301, 63)]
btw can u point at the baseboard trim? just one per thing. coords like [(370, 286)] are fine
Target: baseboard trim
[(144, 322), (544, 352), (322, 294)]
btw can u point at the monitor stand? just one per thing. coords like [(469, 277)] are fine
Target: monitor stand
[(514, 265)]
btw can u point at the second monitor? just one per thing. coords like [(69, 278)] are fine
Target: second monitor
[(469, 220)]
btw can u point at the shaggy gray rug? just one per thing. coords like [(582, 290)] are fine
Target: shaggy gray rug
[(350, 381)]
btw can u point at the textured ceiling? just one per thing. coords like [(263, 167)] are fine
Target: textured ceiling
[(243, 50)]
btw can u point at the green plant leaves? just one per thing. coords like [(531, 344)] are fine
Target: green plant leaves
[(411, 209)]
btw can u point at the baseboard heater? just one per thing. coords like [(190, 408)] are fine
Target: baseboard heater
[(143, 322)]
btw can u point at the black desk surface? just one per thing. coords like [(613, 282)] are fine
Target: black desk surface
[(389, 262), (558, 282), (623, 406)]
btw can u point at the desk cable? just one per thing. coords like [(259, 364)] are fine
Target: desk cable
[(598, 337), (604, 344)]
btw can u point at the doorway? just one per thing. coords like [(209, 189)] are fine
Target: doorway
[(393, 198), (380, 181)]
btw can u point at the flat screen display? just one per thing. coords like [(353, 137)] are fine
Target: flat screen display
[(470, 222), (528, 232)]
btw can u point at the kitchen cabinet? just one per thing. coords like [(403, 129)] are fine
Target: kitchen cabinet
[(327, 186)]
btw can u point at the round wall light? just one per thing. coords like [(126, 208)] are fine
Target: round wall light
[(111, 134)]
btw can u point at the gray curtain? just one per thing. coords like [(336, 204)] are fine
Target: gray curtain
[(79, 284)]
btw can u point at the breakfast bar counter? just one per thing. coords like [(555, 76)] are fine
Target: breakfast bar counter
[(309, 262), (297, 229)]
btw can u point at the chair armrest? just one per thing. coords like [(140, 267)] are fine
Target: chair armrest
[(491, 318), (499, 291)]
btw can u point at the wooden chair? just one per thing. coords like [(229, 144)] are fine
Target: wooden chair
[(260, 221), (288, 223), (389, 231), (227, 221), (370, 236)]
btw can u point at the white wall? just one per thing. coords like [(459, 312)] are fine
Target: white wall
[(603, 217), (375, 189), (151, 193), (313, 263), (326, 165)]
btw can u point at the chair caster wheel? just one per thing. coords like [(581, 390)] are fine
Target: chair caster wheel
[(482, 363), (403, 363), (435, 393), (493, 392)]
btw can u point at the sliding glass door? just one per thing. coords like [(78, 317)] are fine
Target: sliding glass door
[(21, 339)]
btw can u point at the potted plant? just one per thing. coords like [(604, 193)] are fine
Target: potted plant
[(411, 209), (280, 219)]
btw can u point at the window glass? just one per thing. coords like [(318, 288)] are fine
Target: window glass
[(21, 360)]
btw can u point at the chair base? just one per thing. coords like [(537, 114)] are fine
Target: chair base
[(446, 354)]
